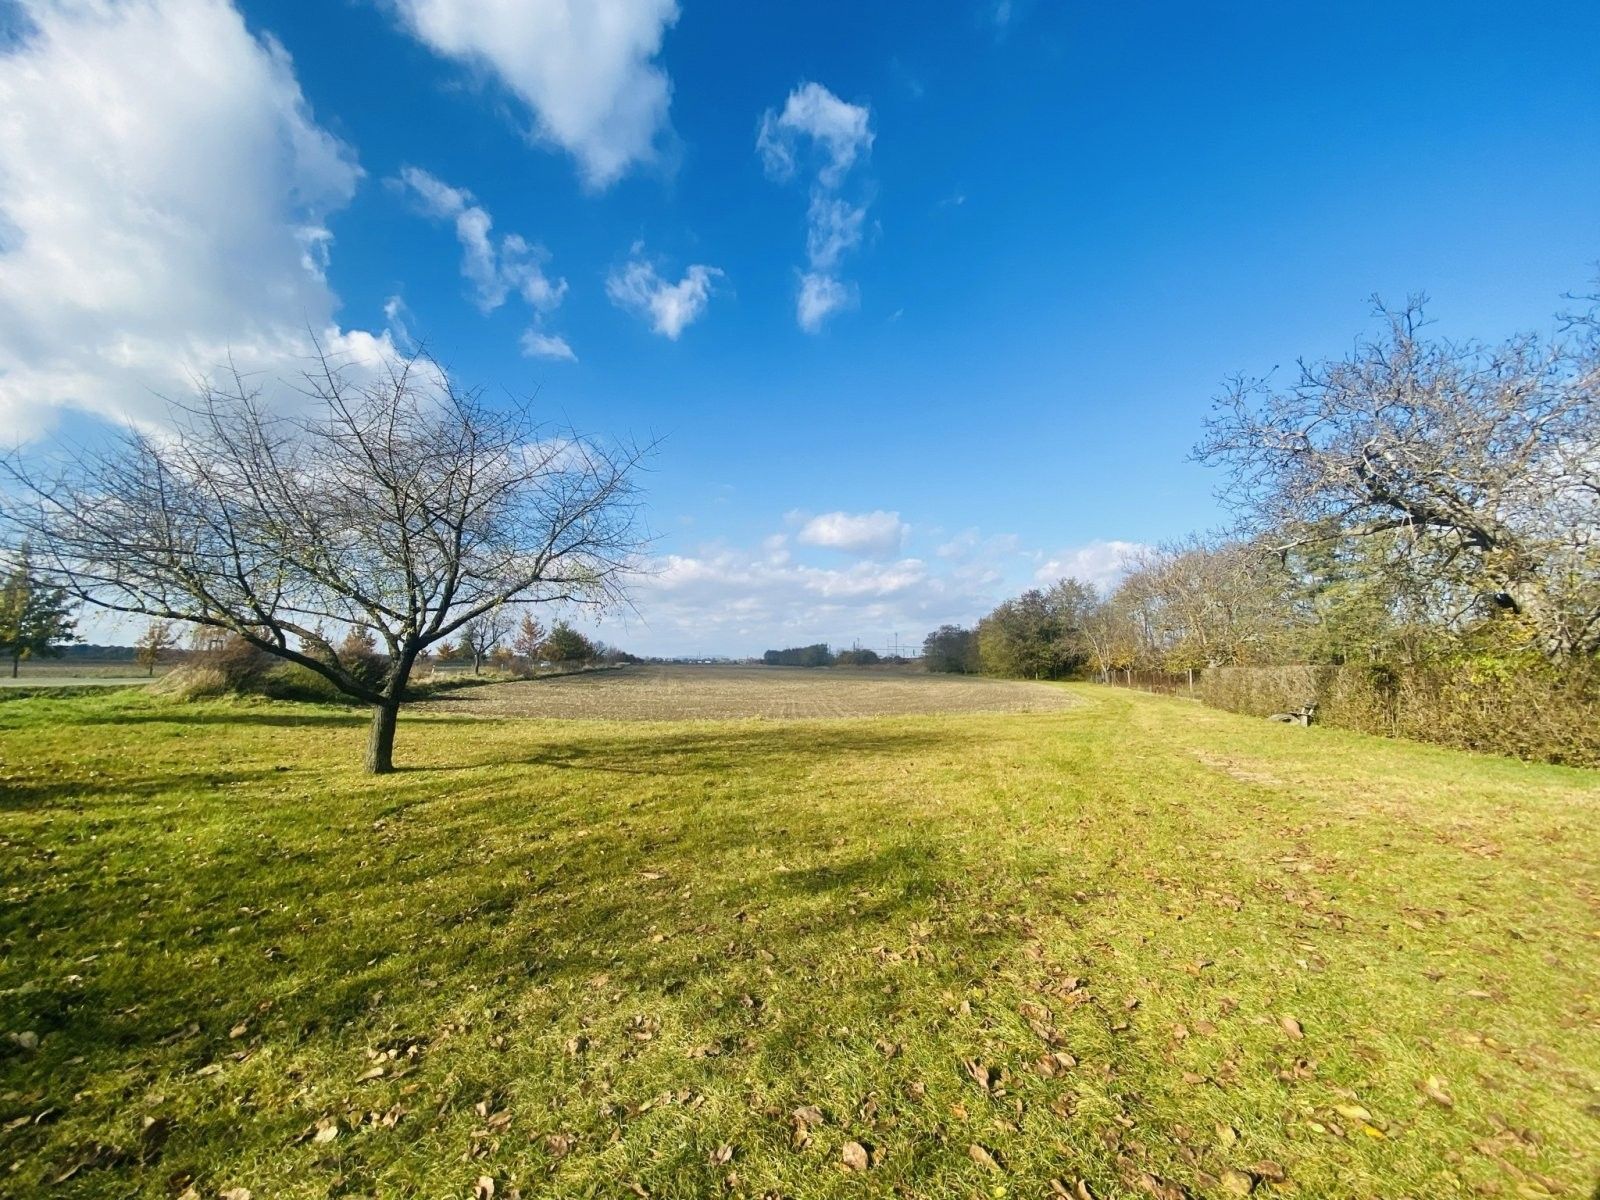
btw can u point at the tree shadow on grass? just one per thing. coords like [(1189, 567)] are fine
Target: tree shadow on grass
[(451, 913), (19, 795)]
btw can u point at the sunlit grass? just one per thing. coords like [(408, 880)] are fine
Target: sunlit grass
[(580, 958)]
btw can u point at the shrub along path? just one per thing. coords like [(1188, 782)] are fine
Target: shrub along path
[(1134, 947)]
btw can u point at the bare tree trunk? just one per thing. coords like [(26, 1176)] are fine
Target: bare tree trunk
[(380, 741)]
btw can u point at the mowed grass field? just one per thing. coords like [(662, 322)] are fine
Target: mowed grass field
[(1131, 947)]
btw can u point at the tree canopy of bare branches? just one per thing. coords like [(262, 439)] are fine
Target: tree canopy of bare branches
[(1484, 460), (400, 504)]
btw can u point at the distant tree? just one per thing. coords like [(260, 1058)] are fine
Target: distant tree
[(815, 655), (857, 658), (480, 636), (35, 618), (529, 641), (950, 649), (566, 645), (395, 501), (158, 637)]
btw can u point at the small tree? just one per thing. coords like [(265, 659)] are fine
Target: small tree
[(158, 637), (566, 644), (35, 618), (481, 636), (529, 641), (401, 504)]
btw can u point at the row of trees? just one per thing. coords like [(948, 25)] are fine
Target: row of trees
[(1416, 501), (819, 655)]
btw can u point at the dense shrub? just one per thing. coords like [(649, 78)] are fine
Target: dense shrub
[(857, 658), (1526, 709)]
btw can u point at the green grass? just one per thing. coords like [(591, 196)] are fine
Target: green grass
[(588, 956)]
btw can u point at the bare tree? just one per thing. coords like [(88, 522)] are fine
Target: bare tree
[(1486, 459), (401, 505), (482, 635)]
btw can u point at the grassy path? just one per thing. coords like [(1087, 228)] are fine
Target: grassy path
[(1149, 947)]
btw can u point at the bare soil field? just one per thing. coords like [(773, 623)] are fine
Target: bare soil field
[(690, 693)]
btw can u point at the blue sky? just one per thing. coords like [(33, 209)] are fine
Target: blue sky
[(1052, 229)]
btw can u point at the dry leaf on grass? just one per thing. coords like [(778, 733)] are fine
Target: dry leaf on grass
[(1292, 1027), (983, 1156), (854, 1156)]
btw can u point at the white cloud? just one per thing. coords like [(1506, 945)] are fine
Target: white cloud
[(585, 68), (670, 307), (842, 132), (839, 134), (819, 298), (494, 271), (163, 206), (546, 345), (834, 229), (719, 599), (875, 532), (1099, 562)]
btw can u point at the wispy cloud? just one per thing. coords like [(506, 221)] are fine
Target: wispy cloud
[(495, 269), (831, 136)]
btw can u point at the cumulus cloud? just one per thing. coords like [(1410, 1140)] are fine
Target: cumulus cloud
[(669, 307), (1099, 562), (585, 69), (721, 599), (837, 135), (546, 345), (163, 205), (495, 270), (731, 601), (875, 532)]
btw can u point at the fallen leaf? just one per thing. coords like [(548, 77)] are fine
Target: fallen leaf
[(1439, 1092), (1292, 1027), (483, 1189), (1237, 1183), (1352, 1112), (854, 1156), (808, 1114), (1269, 1170), (721, 1155), (983, 1156)]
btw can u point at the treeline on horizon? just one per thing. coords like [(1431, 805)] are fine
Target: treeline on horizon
[(820, 655), (1416, 551)]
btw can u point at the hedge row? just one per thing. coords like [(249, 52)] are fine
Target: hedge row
[(1543, 716)]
